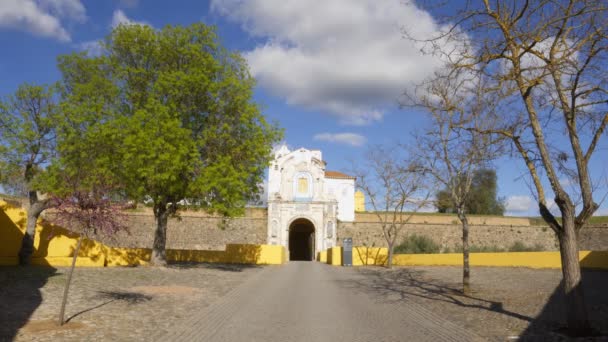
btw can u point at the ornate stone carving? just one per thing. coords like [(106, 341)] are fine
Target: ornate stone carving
[(274, 231), (330, 229)]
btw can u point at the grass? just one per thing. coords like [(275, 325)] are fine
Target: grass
[(433, 214), (539, 221), (420, 244)]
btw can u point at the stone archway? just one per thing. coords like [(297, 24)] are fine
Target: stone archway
[(301, 240)]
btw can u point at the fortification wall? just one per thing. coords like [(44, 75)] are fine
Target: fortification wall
[(194, 230), (449, 236), (434, 218), (203, 231)]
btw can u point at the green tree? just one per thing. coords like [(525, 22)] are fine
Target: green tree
[(171, 117), (482, 199), (27, 144)]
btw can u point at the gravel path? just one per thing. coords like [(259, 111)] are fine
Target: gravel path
[(109, 304), (505, 302), (294, 302), (304, 301)]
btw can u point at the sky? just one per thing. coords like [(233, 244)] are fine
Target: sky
[(329, 72)]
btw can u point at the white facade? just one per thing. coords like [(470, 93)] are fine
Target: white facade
[(299, 188)]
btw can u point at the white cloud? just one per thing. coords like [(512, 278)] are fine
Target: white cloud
[(73, 9), (120, 18), (351, 139), (601, 212), (42, 17), (92, 47), (348, 58), (518, 204)]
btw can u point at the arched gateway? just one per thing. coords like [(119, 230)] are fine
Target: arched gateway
[(301, 240), (305, 202)]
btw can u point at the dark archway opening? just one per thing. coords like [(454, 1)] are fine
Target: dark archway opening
[(301, 240)]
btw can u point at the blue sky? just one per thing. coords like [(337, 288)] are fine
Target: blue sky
[(329, 72)]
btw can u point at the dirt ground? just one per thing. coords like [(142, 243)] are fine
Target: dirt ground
[(504, 303), (133, 304), (108, 304)]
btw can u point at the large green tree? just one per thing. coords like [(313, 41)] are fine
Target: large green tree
[(482, 199), (27, 144), (171, 117)]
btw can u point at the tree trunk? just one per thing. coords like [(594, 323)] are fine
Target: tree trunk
[(66, 289), (389, 262), (576, 311), (27, 243), (466, 270), (159, 256)]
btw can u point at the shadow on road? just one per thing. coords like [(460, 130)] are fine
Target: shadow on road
[(408, 283), (552, 318), (20, 296), (113, 296), (405, 284), (212, 266)]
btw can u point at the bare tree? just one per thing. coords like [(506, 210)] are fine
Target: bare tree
[(449, 151), (546, 60), (395, 189)]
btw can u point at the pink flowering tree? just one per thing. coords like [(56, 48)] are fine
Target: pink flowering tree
[(89, 213)]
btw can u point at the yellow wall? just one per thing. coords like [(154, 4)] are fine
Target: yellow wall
[(54, 246), (369, 256), (379, 256), (359, 201), (322, 256), (334, 256)]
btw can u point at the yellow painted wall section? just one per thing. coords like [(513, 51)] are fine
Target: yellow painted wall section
[(322, 257), (255, 254), (12, 226), (54, 246), (369, 256), (359, 201), (594, 259), (127, 256), (378, 256), (334, 256)]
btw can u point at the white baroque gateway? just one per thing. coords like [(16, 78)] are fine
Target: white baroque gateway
[(305, 202)]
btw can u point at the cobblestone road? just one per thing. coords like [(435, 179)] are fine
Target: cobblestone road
[(307, 301)]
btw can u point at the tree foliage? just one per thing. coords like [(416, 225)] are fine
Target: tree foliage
[(27, 133), (27, 145), (482, 199), (88, 211), (171, 118)]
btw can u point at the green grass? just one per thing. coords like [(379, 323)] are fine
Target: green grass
[(431, 214), (539, 221), (517, 246)]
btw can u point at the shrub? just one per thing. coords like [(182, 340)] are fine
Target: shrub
[(417, 244), (485, 249), (519, 246), (476, 249)]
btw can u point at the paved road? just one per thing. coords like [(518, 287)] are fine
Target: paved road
[(309, 301)]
